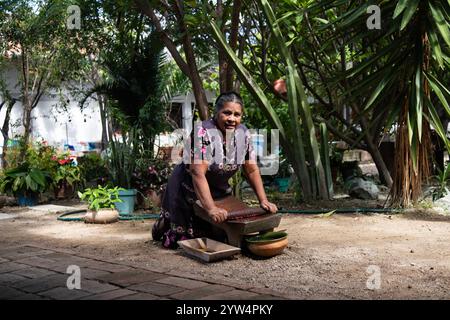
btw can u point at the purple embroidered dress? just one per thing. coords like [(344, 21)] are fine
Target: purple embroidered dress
[(177, 220)]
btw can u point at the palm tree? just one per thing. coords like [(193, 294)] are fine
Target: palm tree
[(132, 82), (397, 70)]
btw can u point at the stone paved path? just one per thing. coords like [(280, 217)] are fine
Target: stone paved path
[(29, 272)]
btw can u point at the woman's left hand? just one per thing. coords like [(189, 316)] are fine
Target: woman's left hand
[(268, 206)]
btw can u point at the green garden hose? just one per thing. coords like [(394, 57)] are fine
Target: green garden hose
[(64, 216), (340, 210)]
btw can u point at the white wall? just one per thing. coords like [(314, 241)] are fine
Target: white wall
[(57, 128)]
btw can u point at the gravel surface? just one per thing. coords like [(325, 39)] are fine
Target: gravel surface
[(342, 256)]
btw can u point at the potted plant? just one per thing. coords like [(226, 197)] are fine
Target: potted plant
[(67, 177), (26, 183), (101, 202), (150, 178), (283, 176), (121, 164)]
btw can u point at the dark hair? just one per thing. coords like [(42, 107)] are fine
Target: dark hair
[(230, 96)]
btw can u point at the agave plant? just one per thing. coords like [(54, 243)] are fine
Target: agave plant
[(441, 188), (398, 71)]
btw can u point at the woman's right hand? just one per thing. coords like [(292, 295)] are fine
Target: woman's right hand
[(218, 214)]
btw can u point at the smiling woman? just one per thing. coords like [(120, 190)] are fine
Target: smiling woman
[(229, 109), (221, 145)]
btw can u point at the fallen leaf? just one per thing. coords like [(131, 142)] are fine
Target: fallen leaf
[(328, 214)]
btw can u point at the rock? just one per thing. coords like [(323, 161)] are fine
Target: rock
[(362, 189), (443, 204), (7, 201)]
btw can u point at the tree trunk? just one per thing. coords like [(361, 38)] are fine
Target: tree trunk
[(383, 171), (5, 131), (26, 104), (102, 105), (223, 61), (237, 83), (109, 126), (226, 71), (27, 127), (188, 67), (376, 155), (197, 85), (234, 33), (407, 185), (223, 67)]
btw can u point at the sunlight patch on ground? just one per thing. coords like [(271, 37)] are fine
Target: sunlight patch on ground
[(82, 231), (5, 216), (52, 208)]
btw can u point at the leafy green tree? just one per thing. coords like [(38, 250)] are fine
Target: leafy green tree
[(133, 63), (184, 29), (37, 41)]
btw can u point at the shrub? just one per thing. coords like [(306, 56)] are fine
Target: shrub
[(66, 172), (151, 174), (92, 166), (25, 180)]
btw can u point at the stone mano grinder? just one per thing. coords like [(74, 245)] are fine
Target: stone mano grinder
[(242, 219)]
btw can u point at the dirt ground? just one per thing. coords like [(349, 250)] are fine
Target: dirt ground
[(334, 257)]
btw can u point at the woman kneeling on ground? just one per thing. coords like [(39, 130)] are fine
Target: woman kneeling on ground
[(204, 175)]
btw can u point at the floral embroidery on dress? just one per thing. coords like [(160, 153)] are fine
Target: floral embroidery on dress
[(176, 233), (201, 132)]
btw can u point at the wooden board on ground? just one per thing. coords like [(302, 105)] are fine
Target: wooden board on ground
[(214, 250)]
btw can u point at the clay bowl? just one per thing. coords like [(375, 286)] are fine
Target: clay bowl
[(268, 245), (102, 216)]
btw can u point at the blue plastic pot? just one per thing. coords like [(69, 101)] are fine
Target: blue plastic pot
[(126, 207), (283, 184), (27, 200)]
